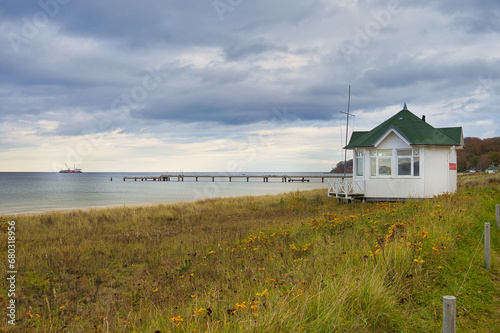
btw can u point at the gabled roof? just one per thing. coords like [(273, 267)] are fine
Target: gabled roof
[(415, 130), (492, 168)]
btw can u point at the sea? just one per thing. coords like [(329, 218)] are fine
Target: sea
[(34, 192)]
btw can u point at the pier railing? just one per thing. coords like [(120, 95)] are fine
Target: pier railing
[(346, 188), (284, 177)]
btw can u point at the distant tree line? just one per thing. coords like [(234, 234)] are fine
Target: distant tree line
[(477, 155)]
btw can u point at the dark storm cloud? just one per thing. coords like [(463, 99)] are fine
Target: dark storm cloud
[(407, 72), (143, 63)]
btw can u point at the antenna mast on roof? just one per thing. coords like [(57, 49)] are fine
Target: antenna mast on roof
[(347, 129)]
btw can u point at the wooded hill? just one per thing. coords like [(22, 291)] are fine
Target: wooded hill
[(478, 154)]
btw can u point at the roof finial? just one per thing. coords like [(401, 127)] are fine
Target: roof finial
[(405, 107)]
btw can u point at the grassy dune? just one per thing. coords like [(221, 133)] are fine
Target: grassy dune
[(285, 263)]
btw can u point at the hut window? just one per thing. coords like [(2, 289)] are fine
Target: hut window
[(416, 162), (405, 162), (381, 162), (359, 163), (408, 162)]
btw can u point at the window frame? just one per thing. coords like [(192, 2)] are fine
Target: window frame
[(359, 160), (378, 155), (415, 155)]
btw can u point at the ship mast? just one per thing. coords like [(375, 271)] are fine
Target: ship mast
[(347, 130)]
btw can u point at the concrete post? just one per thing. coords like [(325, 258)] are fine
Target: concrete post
[(449, 314)]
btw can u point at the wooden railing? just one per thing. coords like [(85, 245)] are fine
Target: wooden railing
[(346, 188)]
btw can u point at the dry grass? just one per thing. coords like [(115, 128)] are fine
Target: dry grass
[(296, 262)]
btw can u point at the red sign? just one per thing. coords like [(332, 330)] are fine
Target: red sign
[(453, 166)]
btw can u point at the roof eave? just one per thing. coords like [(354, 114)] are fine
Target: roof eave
[(437, 144), (358, 146)]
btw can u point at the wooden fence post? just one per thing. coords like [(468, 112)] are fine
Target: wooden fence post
[(487, 261), (497, 214), (449, 314)]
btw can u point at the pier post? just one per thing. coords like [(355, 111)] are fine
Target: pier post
[(230, 179), (196, 178), (213, 179), (323, 179), (248, 179)]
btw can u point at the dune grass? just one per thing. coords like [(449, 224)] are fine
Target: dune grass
[(298, 262)]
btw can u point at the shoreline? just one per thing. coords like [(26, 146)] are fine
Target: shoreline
[(143, 205)]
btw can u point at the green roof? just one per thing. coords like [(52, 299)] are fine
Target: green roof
[(494, 168), (415, 130)]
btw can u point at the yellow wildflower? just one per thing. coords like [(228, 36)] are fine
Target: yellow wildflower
[(241, 305), (264, 293), (177, 320)]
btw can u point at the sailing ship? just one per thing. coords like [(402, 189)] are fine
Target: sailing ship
[(69, 170)]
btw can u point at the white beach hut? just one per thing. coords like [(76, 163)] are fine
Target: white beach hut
[(404, 157)]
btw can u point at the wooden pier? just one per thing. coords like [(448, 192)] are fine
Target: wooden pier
[(305, 177)]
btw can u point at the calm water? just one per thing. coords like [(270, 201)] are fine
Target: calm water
[(26, 192)]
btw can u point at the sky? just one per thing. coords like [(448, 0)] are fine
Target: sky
[(234, 85)]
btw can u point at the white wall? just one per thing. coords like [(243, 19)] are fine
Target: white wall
[(438, 178), (393, 141), (394, 188)]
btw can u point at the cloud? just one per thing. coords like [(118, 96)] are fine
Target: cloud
[(239, 52), (184, 72)]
